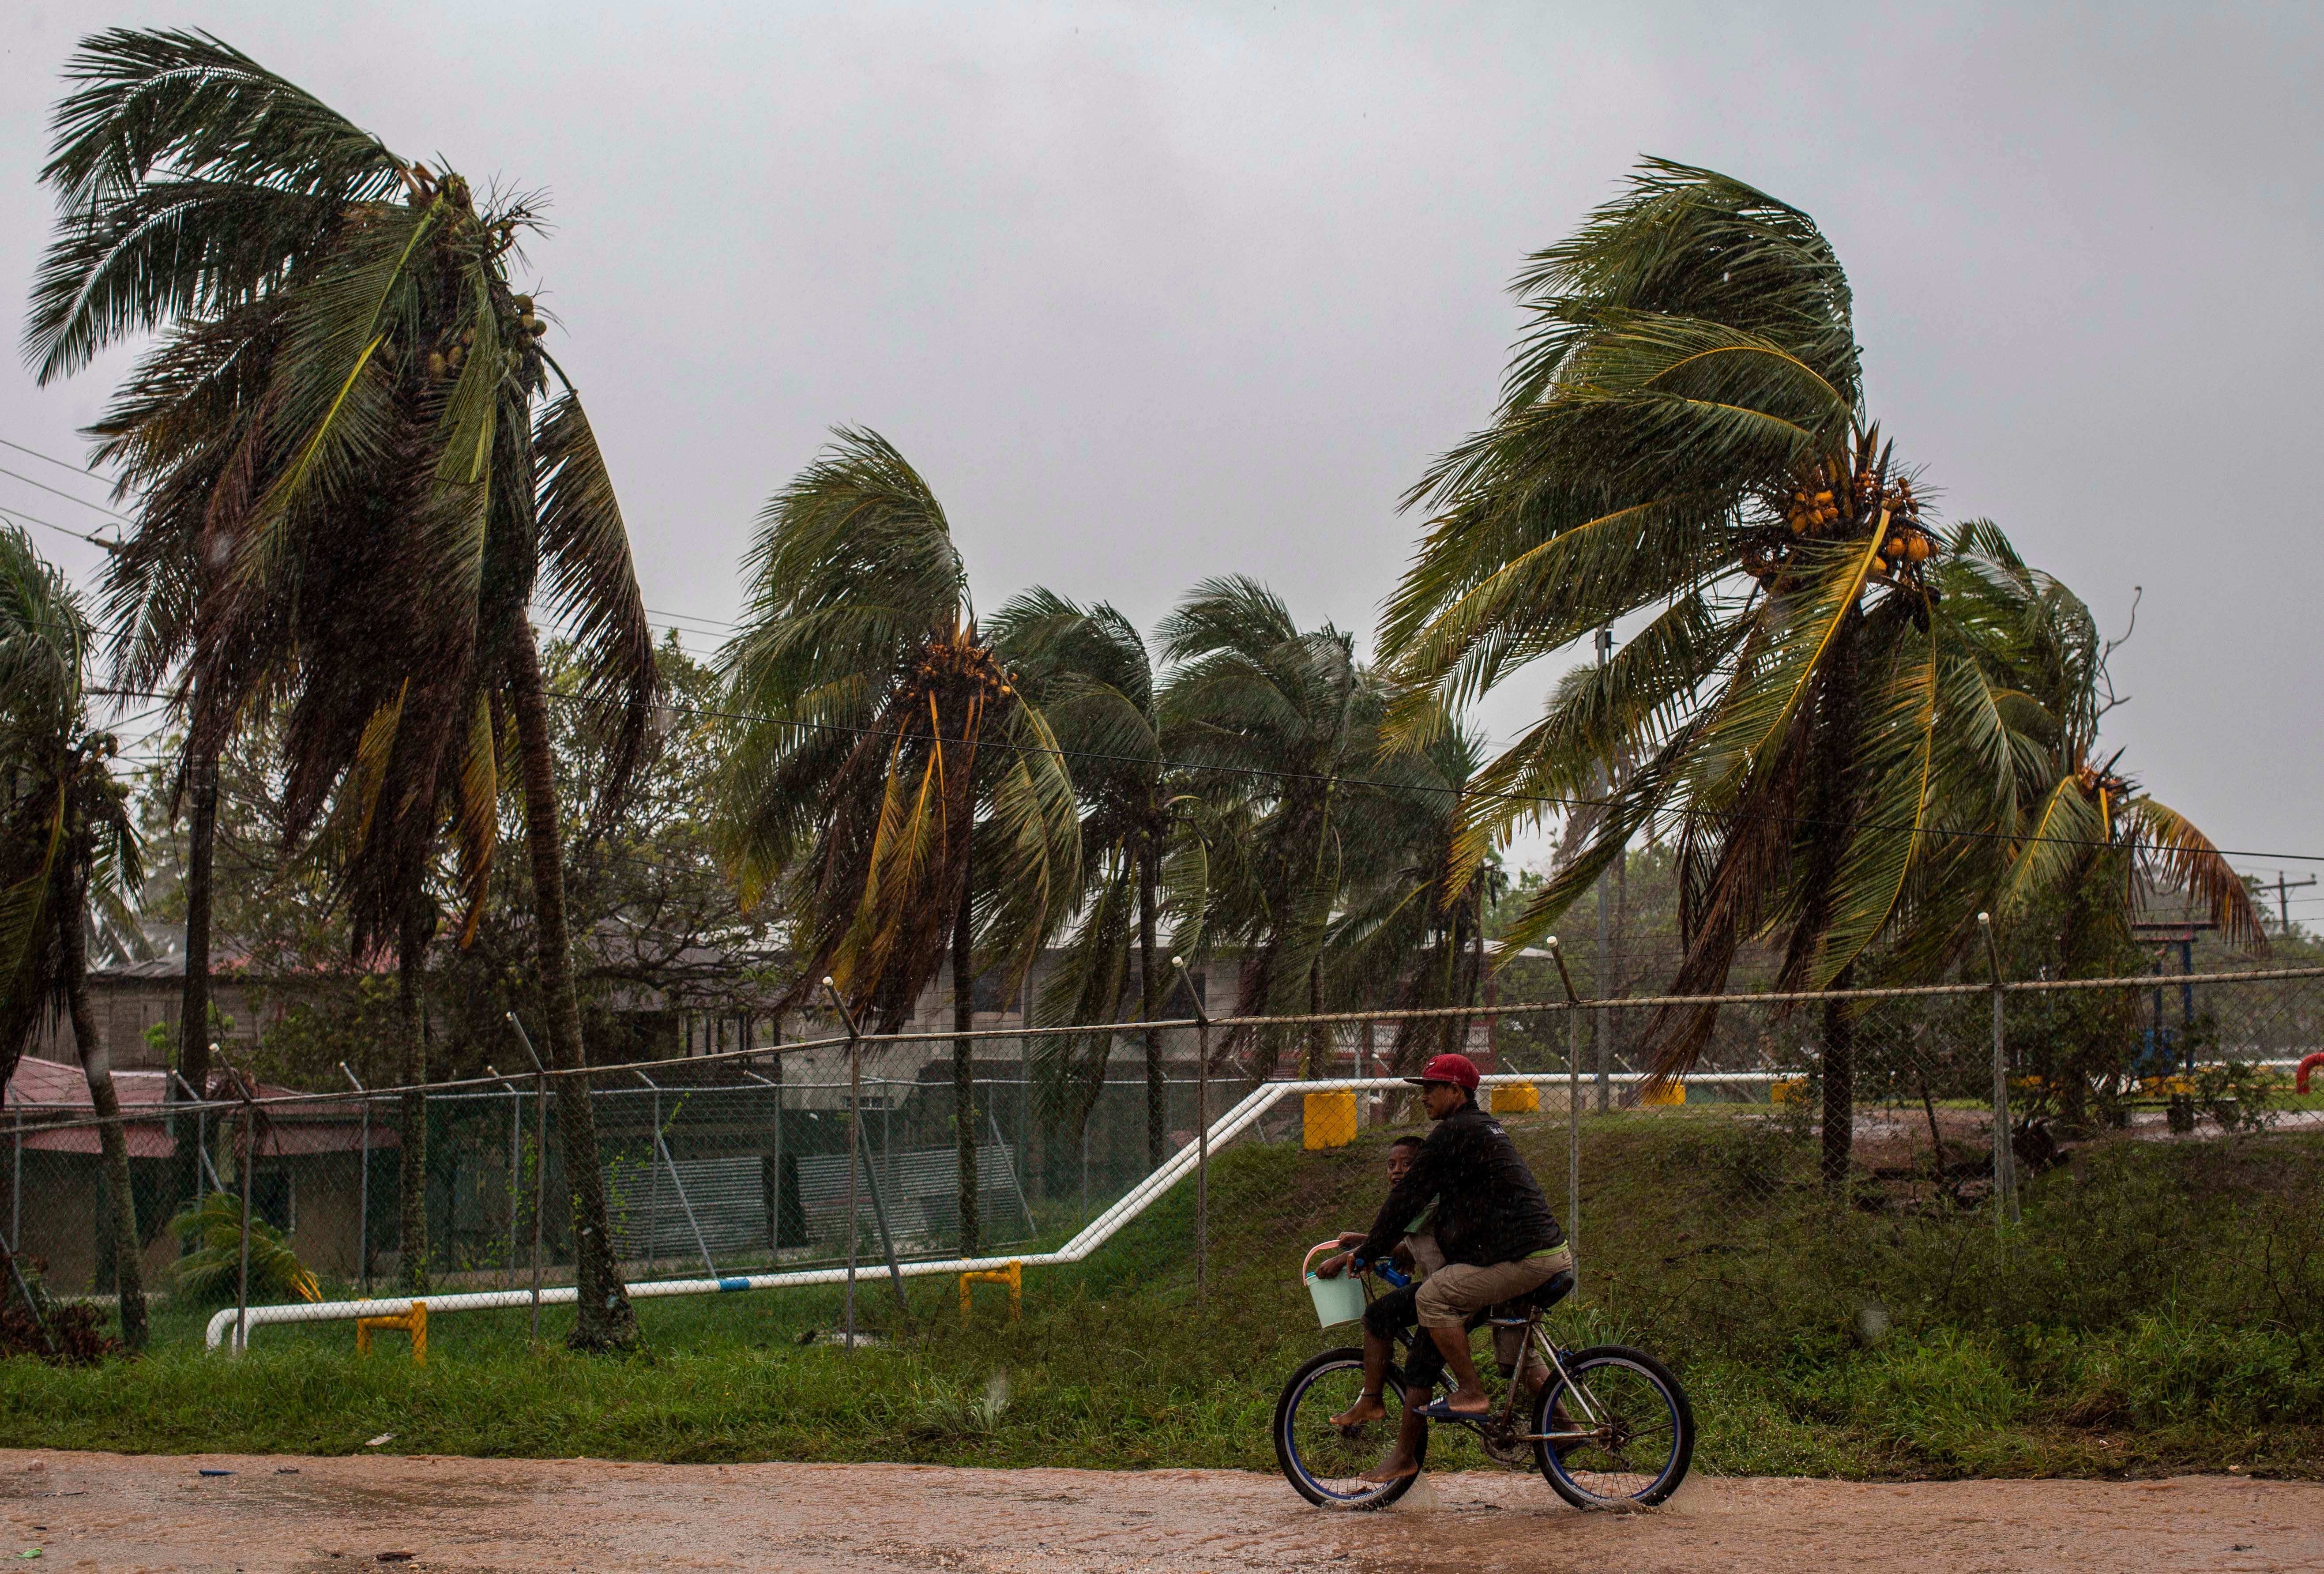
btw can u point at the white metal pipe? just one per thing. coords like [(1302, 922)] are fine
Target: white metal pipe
[(1095, 1234)]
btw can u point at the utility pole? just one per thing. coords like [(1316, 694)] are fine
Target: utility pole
[(2283, 888)]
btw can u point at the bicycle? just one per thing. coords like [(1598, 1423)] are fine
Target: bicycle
[(1611, 1427)]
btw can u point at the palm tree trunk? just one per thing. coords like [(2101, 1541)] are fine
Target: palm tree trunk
[(128, 1262), (1831, 762), (411, 1031), (964, 1065), (603, 1320), (1157, 1106), (194, 1001)]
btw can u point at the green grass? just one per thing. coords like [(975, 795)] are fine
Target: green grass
[(2161, 1309)]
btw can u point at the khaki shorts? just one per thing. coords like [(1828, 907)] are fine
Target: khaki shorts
[(1449, 1297)]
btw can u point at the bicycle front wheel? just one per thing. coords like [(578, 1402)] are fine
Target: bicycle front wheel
[(1616, 1430), (1325, 1463)]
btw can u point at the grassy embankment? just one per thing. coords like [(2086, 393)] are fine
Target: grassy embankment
[(2161, 1309)]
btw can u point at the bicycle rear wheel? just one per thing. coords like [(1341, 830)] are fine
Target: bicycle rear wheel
[(1616, 1430), (1325, 1463)]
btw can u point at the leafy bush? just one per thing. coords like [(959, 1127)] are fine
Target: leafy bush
[(1938, 1392), (213, 1270), (71, 1336), (2175, 1368)]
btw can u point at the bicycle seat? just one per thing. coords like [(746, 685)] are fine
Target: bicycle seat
[(1540, 1297), (1551, 1291)]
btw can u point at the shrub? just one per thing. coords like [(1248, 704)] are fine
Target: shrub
[(213, 1270)]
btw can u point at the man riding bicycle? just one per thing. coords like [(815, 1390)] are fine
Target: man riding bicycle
[(1499, 1238)]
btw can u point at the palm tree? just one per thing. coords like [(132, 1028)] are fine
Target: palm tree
[(2082, 818), (884, 770), (1410, 933), (1089, 674), (66, 845), (1681, 438), (1820, 706), (358, 480), (1280, 727)]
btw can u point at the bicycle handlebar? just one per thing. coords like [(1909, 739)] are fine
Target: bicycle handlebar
[(1381, 1266)]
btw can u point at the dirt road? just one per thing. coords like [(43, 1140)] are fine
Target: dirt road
[(467, 1516)]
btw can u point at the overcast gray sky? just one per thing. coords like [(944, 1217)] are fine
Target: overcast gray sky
[(1155, 293)]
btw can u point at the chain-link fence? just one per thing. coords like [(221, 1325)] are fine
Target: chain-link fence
[(814, 1162)]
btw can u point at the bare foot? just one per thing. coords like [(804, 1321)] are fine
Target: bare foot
[(1395, 1467), (1368, 1407), (1469, 1401)]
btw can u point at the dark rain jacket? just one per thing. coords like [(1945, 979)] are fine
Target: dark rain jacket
[(1489, 1208)]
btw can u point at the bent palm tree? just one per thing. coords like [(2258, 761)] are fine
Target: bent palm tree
[(1681, 438), (358, 479), (883, 767), (1411, 931), (1088, 673), (65, 843), (2081, 819), (1279, 728)]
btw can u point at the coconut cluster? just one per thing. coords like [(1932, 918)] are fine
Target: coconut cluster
[(447, 358), (1848, 497), (960, 668)]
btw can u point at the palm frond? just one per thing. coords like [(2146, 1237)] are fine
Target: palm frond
[(188, 180), (592, 585), (2181, 855)]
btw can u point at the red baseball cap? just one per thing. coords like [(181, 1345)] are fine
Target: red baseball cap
[(1458, 1069)]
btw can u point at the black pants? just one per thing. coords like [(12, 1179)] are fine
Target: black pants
[(1395, 1314)]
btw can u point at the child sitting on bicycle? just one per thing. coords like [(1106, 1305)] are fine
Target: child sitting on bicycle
[(1395, 1311), (1468, 1179)]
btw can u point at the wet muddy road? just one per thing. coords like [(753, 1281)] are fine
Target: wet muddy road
[(466, 1517)]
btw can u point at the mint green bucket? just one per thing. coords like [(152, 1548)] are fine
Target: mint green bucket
[(1337, 1301)]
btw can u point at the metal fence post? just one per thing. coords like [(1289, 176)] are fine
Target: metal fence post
[(1572, 1112), (540, 1160), (880, 1216), (1202, 1137), (685, 1203), (362, 1188), (2004, 1165), (243, 1179), (854, 1137), (782, 1100), (653, 1185), (516, 1173), (516, 1112)]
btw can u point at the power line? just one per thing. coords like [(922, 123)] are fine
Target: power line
[(18, 514), (48, 458), (60, 492)]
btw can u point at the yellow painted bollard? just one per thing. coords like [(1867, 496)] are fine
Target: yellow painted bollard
[(1515, 1097), (1787, 1090), (1663, 1095), (413, 1322), (1331, 1120), (1012, 1277)]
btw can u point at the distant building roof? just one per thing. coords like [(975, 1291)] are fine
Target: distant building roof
[(60, 1091)]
